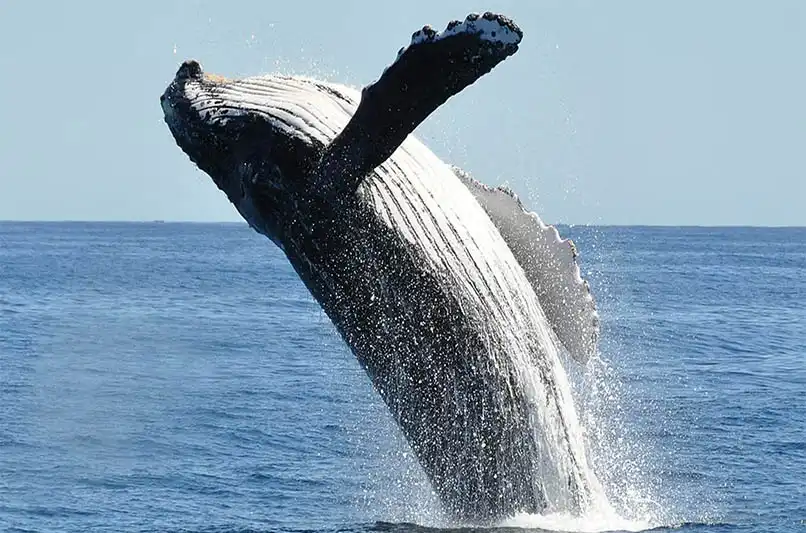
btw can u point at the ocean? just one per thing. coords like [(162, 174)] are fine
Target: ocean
[(179, 377)]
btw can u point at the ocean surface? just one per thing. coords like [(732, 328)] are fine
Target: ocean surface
[(178, 377)]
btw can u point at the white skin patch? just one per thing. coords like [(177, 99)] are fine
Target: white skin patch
[(486, 28)]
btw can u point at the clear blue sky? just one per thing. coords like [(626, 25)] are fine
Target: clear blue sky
[(634, 112)]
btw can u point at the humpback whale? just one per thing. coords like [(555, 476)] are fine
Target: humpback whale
[(458, 302)]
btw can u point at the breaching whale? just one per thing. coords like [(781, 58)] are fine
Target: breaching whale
[(455, 300)]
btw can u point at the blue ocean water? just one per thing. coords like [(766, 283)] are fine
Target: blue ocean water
[(178, 377)]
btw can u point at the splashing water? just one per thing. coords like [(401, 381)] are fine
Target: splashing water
[(593, 479), (588, 523), (581, 505), (635, 511), (576, 499), (405, 495), (565, 470)]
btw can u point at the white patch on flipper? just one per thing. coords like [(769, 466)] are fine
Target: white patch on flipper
[(488, 27), (549, 263)]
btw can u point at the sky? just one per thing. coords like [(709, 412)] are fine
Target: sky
[(623, 112)]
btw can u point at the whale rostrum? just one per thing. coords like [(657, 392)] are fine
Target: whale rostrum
[(455, 299)]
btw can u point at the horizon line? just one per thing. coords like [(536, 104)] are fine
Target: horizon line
[(244, 223)]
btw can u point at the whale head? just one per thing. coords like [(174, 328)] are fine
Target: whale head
[(246, 136)]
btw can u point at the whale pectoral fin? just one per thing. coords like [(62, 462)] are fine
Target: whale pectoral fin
[(434, 67), (549, 263)]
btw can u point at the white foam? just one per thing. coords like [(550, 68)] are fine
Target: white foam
[(589, 523)]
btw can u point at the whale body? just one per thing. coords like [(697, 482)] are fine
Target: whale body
[(455, 300)]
